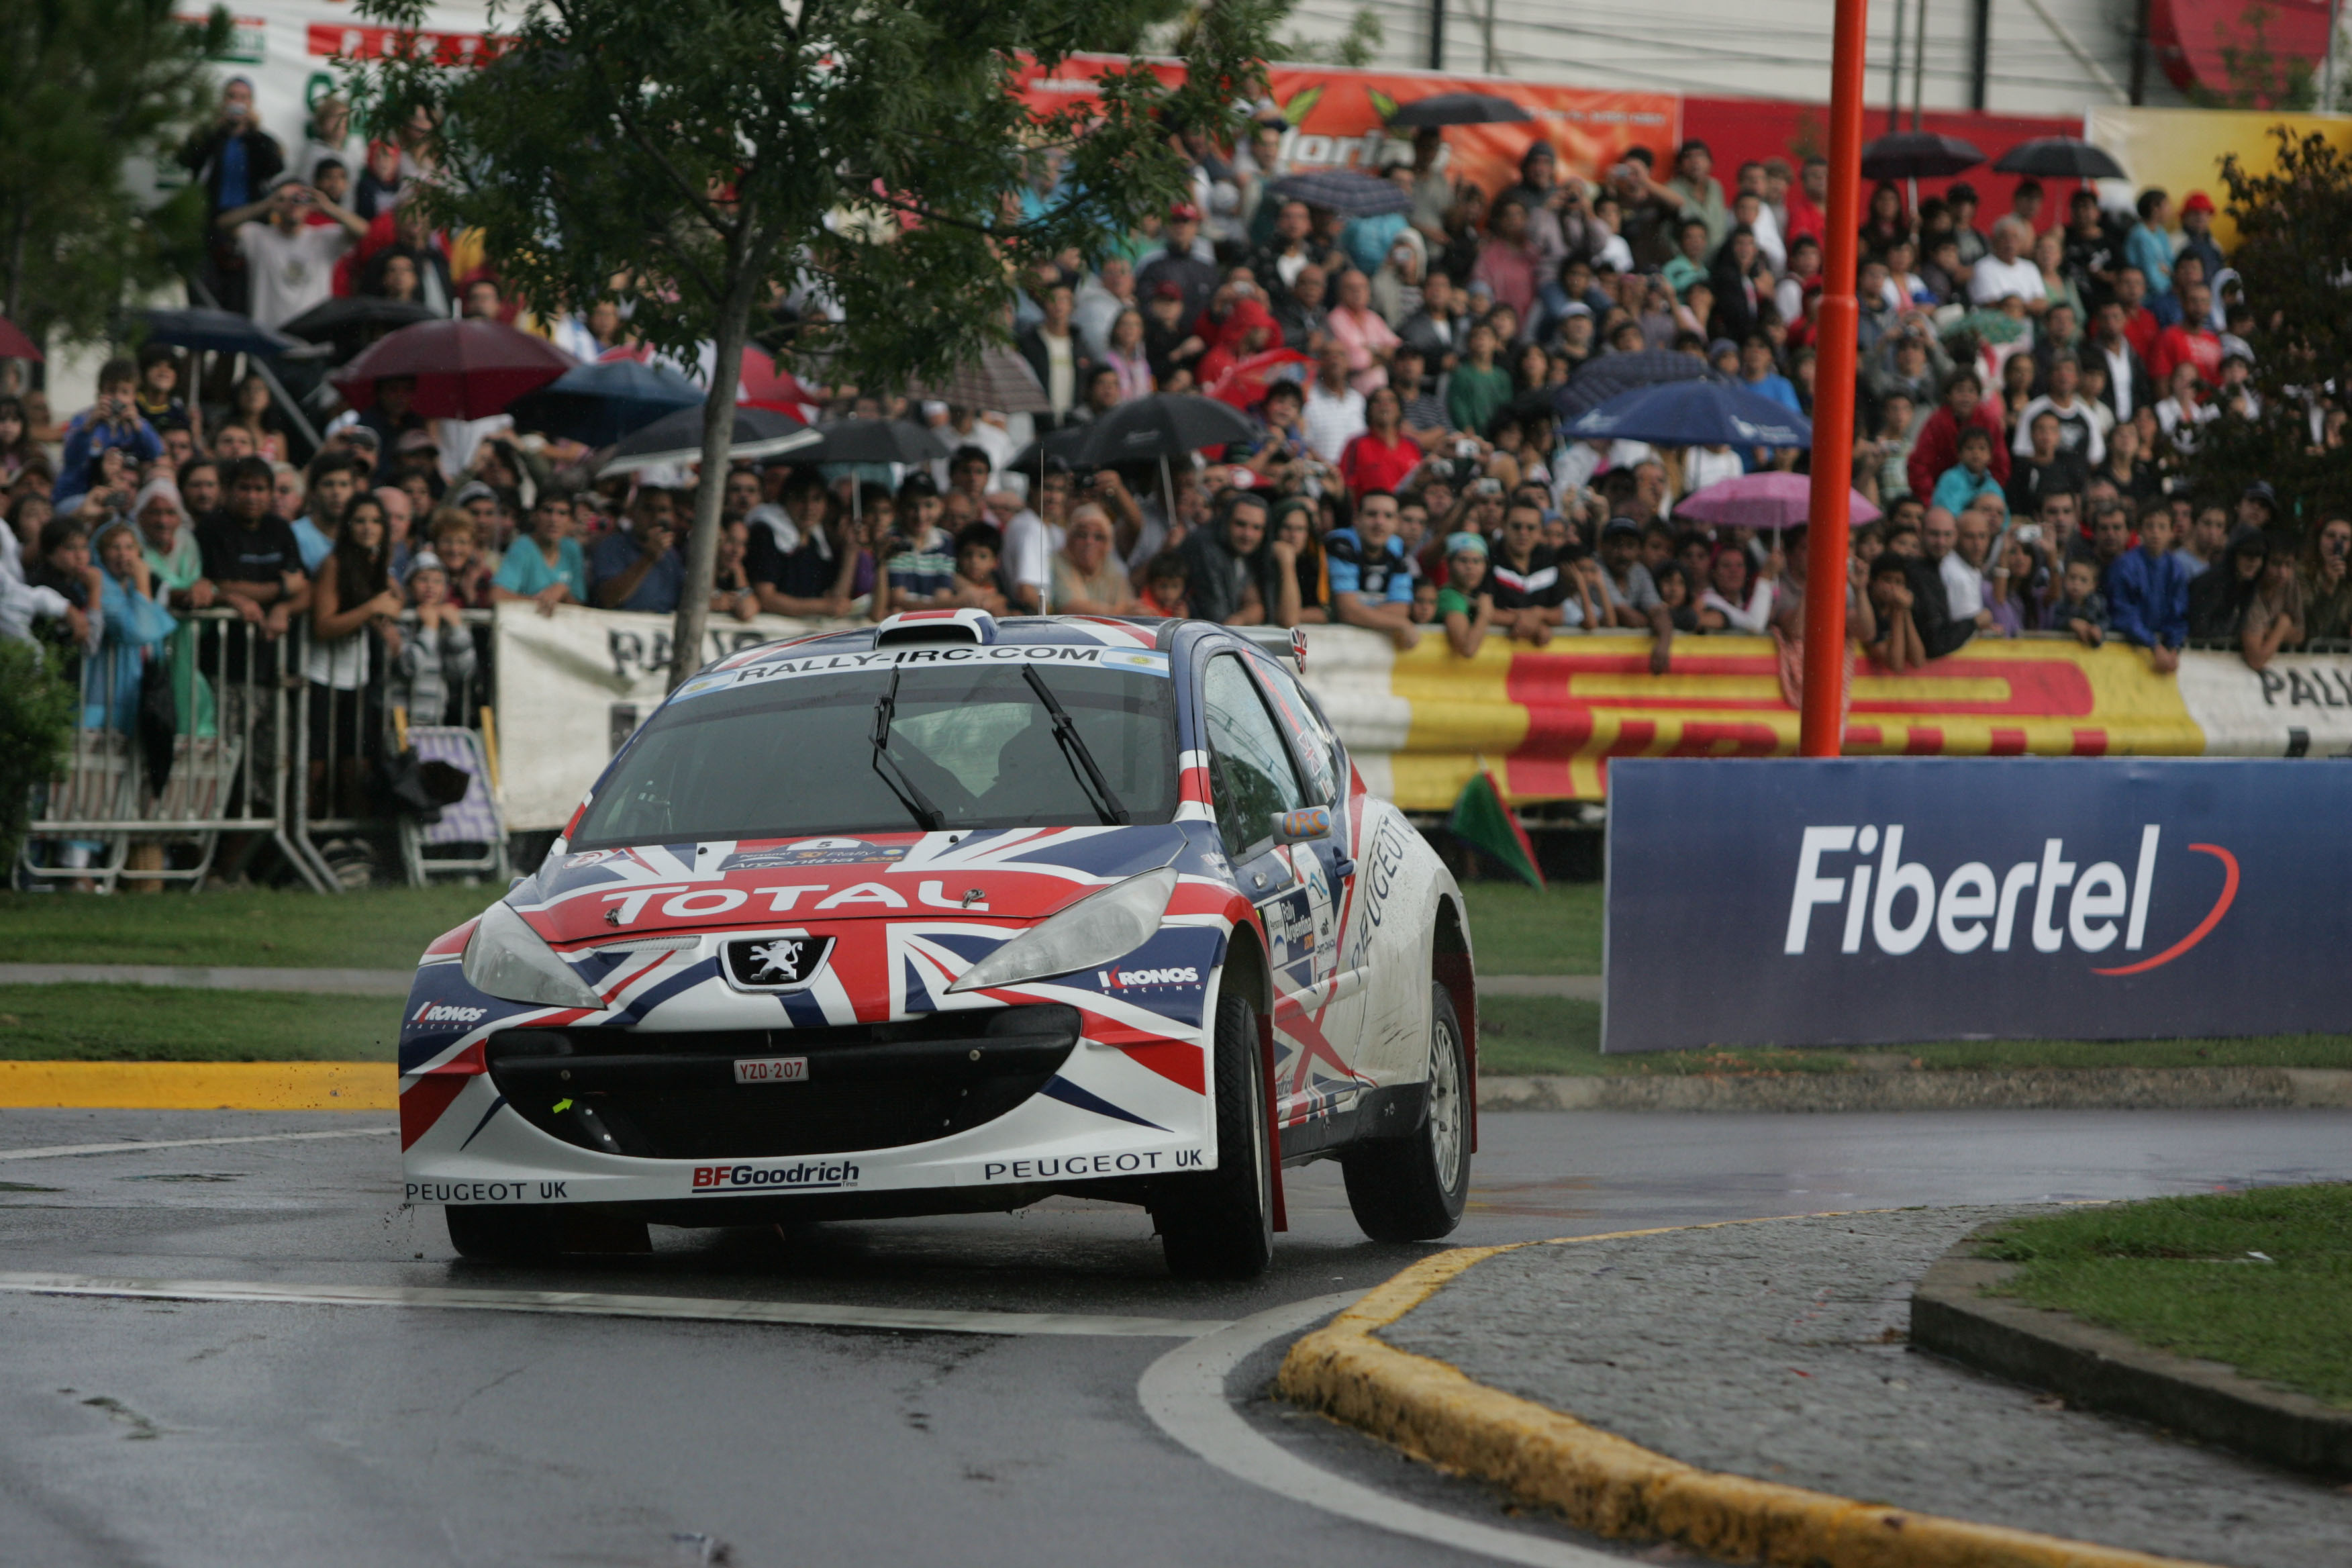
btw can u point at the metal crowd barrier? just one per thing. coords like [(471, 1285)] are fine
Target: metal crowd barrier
[(284, 737)]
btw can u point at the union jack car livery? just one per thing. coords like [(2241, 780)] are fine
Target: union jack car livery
[(953, 914)]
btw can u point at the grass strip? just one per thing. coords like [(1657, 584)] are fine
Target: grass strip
[(1559, 1036), (380, 928), (1515, 929), (169, 1023), (2259, 1280)]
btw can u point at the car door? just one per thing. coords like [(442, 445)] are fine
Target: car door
[(1253, 777)]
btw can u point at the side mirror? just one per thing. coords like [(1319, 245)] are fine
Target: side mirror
[(1302, 826)]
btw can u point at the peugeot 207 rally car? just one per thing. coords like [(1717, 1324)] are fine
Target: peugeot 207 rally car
[(951, 914)]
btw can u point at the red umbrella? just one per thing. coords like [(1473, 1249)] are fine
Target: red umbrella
[(1244, 383), (464, 370), (764, 385), (15, 344)]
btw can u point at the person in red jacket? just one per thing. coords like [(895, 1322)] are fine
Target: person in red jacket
[(1384, 457), (2192, 342), (1939, 447)]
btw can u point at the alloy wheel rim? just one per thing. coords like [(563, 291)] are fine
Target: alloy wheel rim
[(1445, 1105)]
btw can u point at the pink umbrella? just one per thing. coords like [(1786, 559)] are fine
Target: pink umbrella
[(1769, 499), (464, 370)]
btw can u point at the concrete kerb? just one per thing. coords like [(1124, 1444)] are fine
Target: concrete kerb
[(2098, 1369), (2029, 1088), (1604, 1483)]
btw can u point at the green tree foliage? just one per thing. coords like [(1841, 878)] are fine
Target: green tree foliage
[(2294, 253), (1357, 48), (37, 716), (704, 162), (83, 84)]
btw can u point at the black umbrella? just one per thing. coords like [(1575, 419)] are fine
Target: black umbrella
[(597, 405), (352, 321), (1601, 379), (1164, 424), (1054, 447), (222, 332), (1458, 109), (1342, 191), (2060, 158), (677, 439), (1918, 155), (875, 441)]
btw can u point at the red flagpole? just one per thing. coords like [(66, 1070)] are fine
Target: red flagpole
[(1827, 543)]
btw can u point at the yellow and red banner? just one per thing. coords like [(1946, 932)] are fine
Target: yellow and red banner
[(1548, 722)]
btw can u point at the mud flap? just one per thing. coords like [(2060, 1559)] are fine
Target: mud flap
[(1273, 1127)]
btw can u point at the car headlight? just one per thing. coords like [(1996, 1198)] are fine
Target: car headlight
[(505, 959), (1094, 930)]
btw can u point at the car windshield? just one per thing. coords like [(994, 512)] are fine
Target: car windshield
[(795, 757)]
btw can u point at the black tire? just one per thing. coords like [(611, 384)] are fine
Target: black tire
[(488, 1234), (1220, 1224), (1412, 1188)]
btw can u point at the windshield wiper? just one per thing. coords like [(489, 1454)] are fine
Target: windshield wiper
[(1073, 748), (911, 794)]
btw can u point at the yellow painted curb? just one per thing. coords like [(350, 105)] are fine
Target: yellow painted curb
[(1607, 1485), (200, 1086)]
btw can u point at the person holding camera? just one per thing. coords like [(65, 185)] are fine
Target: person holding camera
[(113, 421), (290, 261), (235, 160)]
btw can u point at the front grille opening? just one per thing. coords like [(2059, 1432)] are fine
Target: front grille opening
[(673, 1096)]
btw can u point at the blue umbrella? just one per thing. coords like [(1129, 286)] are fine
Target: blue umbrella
[(1694, 413), (1606, 376), (597, 405), (222, 332)]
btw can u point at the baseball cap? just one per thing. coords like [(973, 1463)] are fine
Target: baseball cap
[(472, 492), (1617, 525), (2261, 490), (1183, 212), (416, 441), (1167, 291), (1465, 543), (424, 561), (2197, 202)]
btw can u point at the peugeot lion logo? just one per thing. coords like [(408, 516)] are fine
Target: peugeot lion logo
[(776, 962)]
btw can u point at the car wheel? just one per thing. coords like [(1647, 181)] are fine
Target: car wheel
[(1411, 1188), (1221, 1224), (490, 1233)]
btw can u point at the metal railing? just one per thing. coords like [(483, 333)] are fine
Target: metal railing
[(285, 738)]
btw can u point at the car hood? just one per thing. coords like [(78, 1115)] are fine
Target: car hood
[(1022, 874)]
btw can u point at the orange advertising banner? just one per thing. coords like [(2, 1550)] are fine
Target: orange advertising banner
[(1336, 116)]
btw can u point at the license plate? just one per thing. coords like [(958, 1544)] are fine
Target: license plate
[(771, 1070)]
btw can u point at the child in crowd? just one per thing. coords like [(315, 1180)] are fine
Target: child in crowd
[(2084, 609), (1424, 601), (977, 582), (1463, 603), (1961, 484), (439, 653), (458, 543), (1897, 647), (1164, 584)]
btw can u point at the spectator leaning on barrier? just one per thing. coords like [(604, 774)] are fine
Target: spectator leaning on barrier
[(2327, 581), (546, 566), (1372, 582), (437, 653), (2147, 593), (1463, 605)]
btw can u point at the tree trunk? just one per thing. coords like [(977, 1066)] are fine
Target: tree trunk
[(686, 653)]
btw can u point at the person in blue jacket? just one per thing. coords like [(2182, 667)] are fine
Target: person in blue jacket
[(2148, 593)]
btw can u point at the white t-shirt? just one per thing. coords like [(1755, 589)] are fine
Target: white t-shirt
[(1963, 587), (1331, 419), (1030, 547), (1994, 280), (290, 272)]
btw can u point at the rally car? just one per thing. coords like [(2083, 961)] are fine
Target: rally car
[(952, 914)]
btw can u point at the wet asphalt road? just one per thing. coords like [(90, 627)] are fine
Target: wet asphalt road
[(235, 1433)]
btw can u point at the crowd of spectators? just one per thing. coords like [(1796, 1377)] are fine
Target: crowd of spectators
[(2030, 389)]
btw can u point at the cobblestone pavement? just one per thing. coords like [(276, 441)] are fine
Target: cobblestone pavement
[(1776, 1350)]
